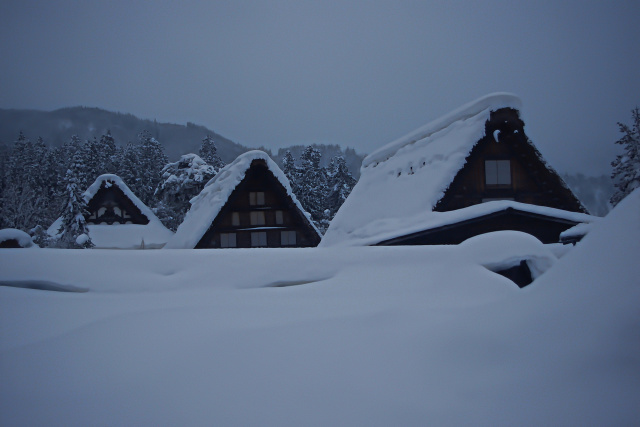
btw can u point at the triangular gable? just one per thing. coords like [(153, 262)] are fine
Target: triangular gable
[(110, 201), (505, 149), (404, 184), (248, 200)]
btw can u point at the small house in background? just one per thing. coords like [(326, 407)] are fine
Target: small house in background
[(471, 172), (248, 204), (118, 219), (12, 238)]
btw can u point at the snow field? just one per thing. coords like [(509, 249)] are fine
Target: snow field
[(374, 335)]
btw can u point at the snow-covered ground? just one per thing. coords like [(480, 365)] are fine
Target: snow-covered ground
[(326, 336)]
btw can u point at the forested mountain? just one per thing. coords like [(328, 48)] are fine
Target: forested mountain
[(56, 127)]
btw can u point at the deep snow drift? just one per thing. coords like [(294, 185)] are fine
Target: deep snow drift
[(342, 336)]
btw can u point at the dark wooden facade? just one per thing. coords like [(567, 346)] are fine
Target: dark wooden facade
[(110, 205), (259, 213), (530, 181), (503, 165)]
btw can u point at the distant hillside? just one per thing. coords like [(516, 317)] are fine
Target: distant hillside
[(56, 127)]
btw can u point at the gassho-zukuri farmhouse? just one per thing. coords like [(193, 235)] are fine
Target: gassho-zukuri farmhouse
[(470, 172)]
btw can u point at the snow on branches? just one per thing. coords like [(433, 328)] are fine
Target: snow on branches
[(626, 166)]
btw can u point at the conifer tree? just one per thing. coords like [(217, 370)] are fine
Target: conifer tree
[(209, 153), (108, 154), (129, 167), (151, 161), (181, 181), (291, 171), (73, 231), (341, 182), (626, 166), (312, 189), (25, 195)]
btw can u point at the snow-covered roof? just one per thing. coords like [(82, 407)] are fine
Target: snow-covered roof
[(23, 239), (122, 236), (401, 183), (387, 228), (207, 205), (111, 179), (576, 232)]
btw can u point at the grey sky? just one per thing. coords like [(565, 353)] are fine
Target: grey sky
[(356, 73)]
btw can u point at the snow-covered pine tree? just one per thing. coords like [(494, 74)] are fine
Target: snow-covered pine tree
[(626, 166), (108, 154), (181, 181), (129, 166), (92, 158), (340, 184), (151, 160), (291, 171), (73, 231), (25, 195), (313, 189), (209, 153), (100, 156)]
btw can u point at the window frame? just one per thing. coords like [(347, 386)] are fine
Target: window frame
[(494, 174), (256, 198), (279, 217), (235, 219), (259, 239), (225, 241), (285, 238), (257, 218)]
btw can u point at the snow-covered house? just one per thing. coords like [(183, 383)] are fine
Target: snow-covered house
[(118, 219), (470, 172), (249, 203)]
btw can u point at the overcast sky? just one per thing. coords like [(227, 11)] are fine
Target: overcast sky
[(355, 73)]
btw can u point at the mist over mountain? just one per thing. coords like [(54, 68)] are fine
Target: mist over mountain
[(56, 127), (593, 191)]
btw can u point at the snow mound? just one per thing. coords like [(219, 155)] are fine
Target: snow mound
[(501, 250), (23, 239), (207, 205), (420, 335)]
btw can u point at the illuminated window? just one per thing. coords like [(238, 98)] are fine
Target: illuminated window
[(227, 240), (497, 172), (259, 238), (235, 218), (288, 238), (256, 198), (257, 217), (279, 217)]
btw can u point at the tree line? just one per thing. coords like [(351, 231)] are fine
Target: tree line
[(39, 184)]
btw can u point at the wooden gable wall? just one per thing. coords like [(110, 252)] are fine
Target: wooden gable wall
[(240, 221), (111, 206), (530, 181)]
